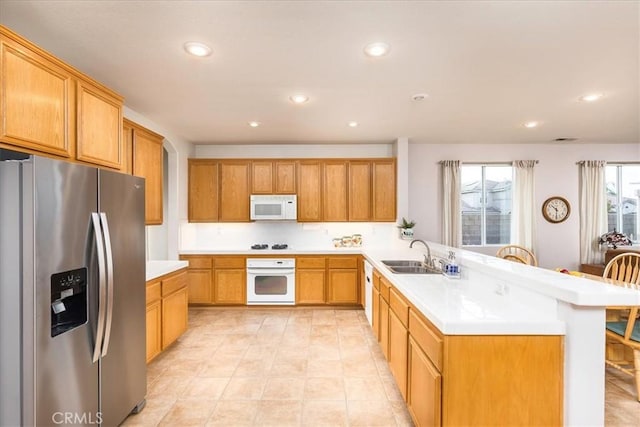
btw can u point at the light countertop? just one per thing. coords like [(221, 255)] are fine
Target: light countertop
[(156, 269)]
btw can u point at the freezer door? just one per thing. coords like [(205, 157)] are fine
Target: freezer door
[(59, 297), (123, 364)]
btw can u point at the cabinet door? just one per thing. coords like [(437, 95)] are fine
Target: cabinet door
[(334, 196), (147, 163), (154, 330), (127, 148), (375, 313), (261, 177), (234, 191), (230, 286), (175, 315), (35, 102), (384, 190), (310, 286), (200, 289), (359, 191), (343, 287), (424, 388), (309, 191), (203, 191), (398, 343), (384, 327), (99, 127), (285, 172)]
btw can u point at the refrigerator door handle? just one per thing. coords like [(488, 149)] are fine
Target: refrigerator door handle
[(102, 280), (107, 244)]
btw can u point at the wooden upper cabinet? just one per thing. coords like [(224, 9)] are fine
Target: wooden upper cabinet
[(285, 177), (148, 164), (99, 127), (35, 102), (309, 190), (384, 190), (359, 191), (203, 190), (127, 148), (334, 196), (234, 190), (261, 177), (47, 106)]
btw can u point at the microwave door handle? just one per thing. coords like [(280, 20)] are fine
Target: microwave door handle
[(102, 282), (107, 244)]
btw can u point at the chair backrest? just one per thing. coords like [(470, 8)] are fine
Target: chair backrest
[(518, 254), (624, 267)]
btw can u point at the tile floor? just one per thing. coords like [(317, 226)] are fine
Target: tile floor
[(273, 367), (298, 367)]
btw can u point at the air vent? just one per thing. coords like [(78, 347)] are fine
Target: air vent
[(565, 139)]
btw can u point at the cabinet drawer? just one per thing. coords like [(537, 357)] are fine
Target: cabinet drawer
[(153, 292), (235, 262), (173, 283), (426, 338), (376, 280), (200, 262), (343, 262), (385, 286), (318, 262), (399, 307)]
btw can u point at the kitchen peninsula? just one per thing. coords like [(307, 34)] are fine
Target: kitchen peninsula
[(494, 299)]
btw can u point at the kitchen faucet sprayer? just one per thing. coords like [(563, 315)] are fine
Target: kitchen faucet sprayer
[(428, 260)]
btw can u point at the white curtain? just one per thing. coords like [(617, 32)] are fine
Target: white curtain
[(523, 214), (593, 210), (451, 219)]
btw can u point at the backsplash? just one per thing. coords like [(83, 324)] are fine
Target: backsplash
[(238, 236)]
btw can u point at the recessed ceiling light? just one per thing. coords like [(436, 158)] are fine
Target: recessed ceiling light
[(591, 97), (254, 124), (352, 124), (420, 96), (299, 99), (531, 124), (376, 49), (197, 49)]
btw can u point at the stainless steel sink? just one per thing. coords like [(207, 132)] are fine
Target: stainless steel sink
[(403, 263), (410, 267)]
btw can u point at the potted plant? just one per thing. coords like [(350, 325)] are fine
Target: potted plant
[(406, 229)]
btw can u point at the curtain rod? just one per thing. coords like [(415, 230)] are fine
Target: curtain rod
[(613, 163), (507, 162)]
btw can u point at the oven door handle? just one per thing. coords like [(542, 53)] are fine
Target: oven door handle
[(264, 271)]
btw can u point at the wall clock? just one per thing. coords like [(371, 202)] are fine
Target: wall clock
[(556, 209)]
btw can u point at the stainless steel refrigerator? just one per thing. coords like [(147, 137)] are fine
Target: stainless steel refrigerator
[(72, 293)]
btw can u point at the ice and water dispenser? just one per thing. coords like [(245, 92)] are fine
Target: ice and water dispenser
[(69, 300)]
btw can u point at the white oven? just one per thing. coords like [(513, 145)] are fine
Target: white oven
[(271, 281)]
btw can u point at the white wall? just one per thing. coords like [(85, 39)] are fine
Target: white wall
[(556, 174), (283, 151)]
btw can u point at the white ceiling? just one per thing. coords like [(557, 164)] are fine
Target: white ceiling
[(488, 66)]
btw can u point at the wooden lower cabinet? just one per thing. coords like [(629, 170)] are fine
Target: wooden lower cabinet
[(342, 287), (310, 286), (397, 352), (375, 313), (230, 286), (167, 311), (424, 388), (383, 336), (200, 289)]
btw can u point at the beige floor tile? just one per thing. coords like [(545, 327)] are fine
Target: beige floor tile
[(152, 414), (324, 389), (205, 388), (401, 414), (391, 390), (324, 368), (324, 330), (279, 413), (167, 387), (324, 352), (320, 413), (221, 367), (253, 367), (289, 368), (284, 389), (364, 388), (244, 389), (351, 330), (365, 413), (359, 366), (188, 413), (229, 413), (292, 351)]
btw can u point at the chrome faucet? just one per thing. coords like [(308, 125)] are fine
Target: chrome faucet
[(427, 258)]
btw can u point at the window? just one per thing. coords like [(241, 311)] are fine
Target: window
[(485, 204), (623, 195)]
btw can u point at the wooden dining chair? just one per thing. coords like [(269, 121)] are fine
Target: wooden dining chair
[(518, 254), (625, 332)]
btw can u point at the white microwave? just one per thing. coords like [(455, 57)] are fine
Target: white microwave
[(274, 207)]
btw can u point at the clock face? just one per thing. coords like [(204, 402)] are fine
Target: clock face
[(556, 209)]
